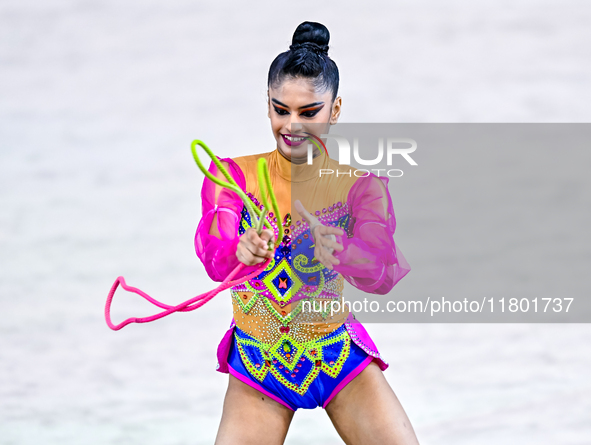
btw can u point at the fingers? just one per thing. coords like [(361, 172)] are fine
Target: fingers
[(325, 236), (328, 230), (326, 244), (252, 248), (310, 219), (257, 241), (247, 257), (267, 235), (325, 257), (330, 243), (300, 207)]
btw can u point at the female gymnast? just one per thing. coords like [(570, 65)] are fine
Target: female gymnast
[(279, 355)]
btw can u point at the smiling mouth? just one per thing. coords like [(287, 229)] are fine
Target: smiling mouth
[(292, 140)]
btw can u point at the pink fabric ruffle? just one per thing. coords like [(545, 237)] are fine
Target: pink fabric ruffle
[(370, 260), (219, 255)]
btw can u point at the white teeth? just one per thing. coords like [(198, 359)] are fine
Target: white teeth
[(293, 139)]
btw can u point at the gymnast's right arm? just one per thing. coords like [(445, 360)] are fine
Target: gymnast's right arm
[(217, 243)]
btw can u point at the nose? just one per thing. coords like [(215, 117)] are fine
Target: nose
[(295, 123), (294, 118)]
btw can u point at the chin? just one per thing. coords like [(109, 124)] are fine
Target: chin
[(294, 153)]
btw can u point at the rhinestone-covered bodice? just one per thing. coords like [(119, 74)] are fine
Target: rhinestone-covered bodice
[(283, 315), (290, 298)]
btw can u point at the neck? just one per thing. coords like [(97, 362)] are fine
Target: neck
[(298, 171), (300, 160)]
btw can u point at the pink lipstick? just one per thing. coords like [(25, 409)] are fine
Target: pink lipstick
[(293, 140)]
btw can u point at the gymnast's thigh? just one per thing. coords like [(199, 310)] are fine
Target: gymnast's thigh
[(367, 411), (250, 417)]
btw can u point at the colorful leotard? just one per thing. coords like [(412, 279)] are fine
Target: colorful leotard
[(300, 358)]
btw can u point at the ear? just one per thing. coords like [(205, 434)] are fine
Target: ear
[(336, 111), (268, 105)]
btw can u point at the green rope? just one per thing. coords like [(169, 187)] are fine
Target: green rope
[(257, 216), (316, 143), (266, 188)]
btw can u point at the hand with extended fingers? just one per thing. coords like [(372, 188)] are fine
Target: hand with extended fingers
[(324, 237)]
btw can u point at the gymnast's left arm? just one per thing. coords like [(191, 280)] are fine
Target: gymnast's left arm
[(370, 259)]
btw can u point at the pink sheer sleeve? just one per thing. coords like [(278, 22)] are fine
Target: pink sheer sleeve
[(370, 260), (218, 254)]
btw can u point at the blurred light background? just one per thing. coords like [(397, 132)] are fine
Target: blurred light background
[(99, 101)]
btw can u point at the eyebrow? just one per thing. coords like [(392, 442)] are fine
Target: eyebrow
[(304, 106)]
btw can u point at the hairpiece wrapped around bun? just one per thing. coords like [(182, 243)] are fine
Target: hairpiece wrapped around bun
[(309, 46)]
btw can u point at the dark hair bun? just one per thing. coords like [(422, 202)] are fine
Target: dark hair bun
[(307, 58), (312, 36)]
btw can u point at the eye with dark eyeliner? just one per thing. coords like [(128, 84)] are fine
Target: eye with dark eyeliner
[(310, 113), (280, 111)]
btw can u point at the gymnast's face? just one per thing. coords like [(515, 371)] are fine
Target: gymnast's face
[(295, 107)]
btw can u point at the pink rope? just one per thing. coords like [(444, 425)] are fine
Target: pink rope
[(187, 306)]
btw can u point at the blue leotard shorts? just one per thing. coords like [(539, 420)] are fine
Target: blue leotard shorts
[(302, 380)]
